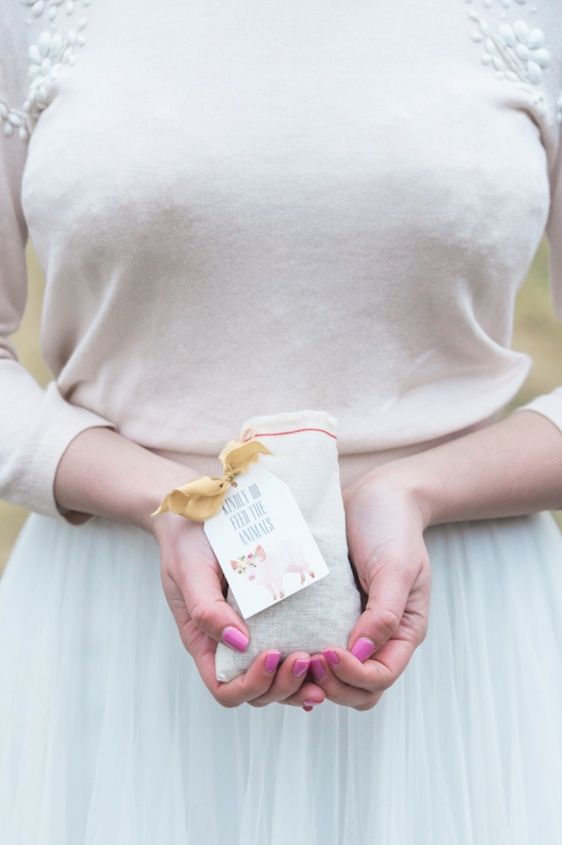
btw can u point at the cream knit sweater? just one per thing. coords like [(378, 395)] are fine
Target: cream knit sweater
[(247, 208)]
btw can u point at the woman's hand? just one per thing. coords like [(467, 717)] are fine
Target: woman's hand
[(385, 528), (193, 584)]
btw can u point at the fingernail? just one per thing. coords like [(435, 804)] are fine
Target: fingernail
[(235, 638), (300, 666), (317, 668), (307, 707), (309, 702), (363, 648), (331, 657), (272, 661)]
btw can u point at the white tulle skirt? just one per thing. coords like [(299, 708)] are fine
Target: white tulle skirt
[(109, 737)]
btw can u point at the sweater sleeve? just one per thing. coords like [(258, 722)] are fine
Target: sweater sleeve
[(550, 404), (36, 424)]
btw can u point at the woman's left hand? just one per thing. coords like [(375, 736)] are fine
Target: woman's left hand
[(385, 528)]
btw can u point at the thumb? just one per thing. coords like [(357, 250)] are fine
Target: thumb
[(389, 588), (198, 578)]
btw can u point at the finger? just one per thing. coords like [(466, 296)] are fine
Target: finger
[(376, 673), (255, 681), (288, 680), (339, 691), (201, 588), (389, 589), (309, 695)]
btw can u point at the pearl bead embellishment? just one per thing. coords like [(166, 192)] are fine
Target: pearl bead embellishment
[(516, 51), (52, 51)]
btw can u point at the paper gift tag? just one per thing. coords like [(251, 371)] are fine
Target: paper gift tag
[(262, 542)]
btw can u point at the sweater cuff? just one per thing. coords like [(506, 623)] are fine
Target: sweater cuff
[(58, 424), (549, 405)]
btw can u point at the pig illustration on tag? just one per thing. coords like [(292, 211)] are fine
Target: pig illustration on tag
[(267, 568)]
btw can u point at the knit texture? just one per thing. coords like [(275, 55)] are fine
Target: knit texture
[(244, 208)]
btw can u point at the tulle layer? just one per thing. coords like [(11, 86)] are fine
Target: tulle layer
[(107, 734)]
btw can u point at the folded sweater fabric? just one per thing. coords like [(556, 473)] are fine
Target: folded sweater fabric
[(245, 207)]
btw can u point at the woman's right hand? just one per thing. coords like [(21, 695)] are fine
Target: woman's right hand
[(193, 584)]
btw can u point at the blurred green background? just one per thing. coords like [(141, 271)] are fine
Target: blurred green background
[(538, 332)]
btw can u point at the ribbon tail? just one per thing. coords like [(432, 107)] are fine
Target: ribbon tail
[(197, 500), (163, 507), (237, 457), (202, 497)]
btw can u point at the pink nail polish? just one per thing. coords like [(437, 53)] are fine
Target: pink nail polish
[(309, 702), (235, 638), (363, 648), (317, 668), (331, 657), (300, 666), (307, 707), (272, 661)]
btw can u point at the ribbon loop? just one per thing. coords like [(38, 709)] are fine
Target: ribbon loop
[(202, 497)]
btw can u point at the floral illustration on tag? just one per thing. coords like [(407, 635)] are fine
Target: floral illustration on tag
[(516, 50), (242, 563), (262, 542), (269, 568)]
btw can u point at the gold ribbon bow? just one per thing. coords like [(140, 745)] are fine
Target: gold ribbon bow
[(203, 497)]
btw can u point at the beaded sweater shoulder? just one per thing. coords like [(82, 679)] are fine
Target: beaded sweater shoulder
[(56, 46), (515, 49)]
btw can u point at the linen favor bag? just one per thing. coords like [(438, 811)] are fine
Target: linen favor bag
[(304, 455)]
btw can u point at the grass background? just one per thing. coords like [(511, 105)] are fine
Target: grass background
[(537, 331)]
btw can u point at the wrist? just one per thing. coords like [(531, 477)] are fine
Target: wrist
[(508, 468), (169, 475), (400, 477), (105, 474)]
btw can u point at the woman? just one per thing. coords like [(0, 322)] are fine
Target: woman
[(255, 209)]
